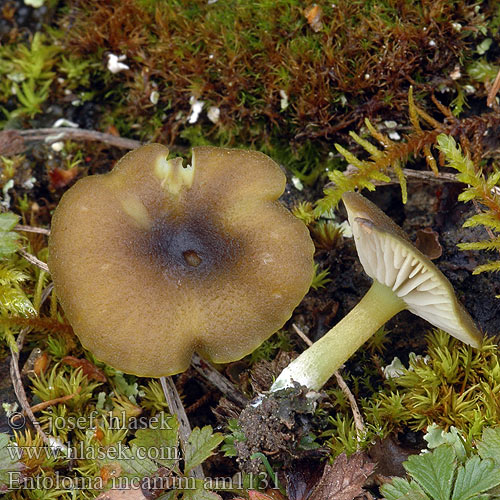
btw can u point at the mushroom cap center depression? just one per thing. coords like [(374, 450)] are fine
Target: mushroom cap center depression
[(194, 244), (151, 261)]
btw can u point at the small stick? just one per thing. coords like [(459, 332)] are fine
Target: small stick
[(218, 380), (32, 229), (45, 404), (33, 260), (15, 376), (46, 292), (493, 91), (412, 176), (358, 419), (177, 408), (50, 135)]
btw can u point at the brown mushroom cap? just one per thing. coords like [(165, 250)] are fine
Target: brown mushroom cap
[(153, 261)]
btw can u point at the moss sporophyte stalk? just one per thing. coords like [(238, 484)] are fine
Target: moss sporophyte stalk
[(403, 278)]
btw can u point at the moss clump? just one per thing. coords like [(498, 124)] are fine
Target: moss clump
[(276, 78), (452, 386)]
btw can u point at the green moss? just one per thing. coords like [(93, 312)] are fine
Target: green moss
[(243, 57), (454, 385)]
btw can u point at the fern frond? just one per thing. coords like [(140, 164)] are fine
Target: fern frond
[(489, 245), (9, 274), (393, 155), (7, 335), (14, 301), (485, 219), (41, 324), (481, 189), (455, 158), (492, 267)]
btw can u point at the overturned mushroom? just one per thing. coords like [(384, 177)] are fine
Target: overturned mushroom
[(403, 278), (154, 260)]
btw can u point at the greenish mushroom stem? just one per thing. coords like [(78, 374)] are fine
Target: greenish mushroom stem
[(318, 363), (403, 278)]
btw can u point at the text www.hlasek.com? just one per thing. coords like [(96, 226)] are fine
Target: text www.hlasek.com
[(83, 452)]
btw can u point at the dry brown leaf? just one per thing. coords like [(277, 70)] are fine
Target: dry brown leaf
[(302, 477), (314, 14), (344, 479), (88, 368), (60, 178), (259, 495), (428, 243), (128, 494), (11, 143)]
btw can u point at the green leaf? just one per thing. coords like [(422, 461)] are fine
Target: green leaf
[(201, 444), (401, 489), (434, 471), (161, 441), (200, 493), (8, 220), (8, 239), (8, 243), (489, 446), (436, 437), (10, 467), (476, 476), (130, 390), (133, 462)]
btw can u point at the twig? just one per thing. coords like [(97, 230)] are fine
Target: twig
[(33, 260), (31, 229), (358, 419), (15, 376), (412, 176), (45, 404), (177, 408), (493, 91), (51, 135), (218, 380), (46, 293)]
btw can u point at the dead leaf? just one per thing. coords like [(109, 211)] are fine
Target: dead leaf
[(493, 91), (313, 14), (60, 178), (88, 368), (11, 143), (428, 243), (303, 476), (113, 131), (389, 455), (36, 363), (128, 494), (344, 479)]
